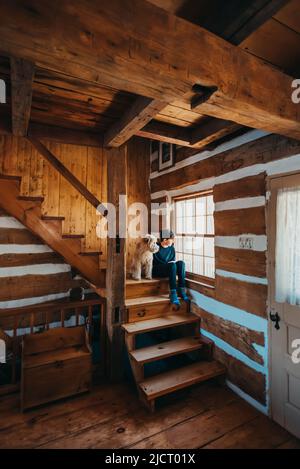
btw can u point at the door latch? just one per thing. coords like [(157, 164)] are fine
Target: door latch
[(275, 318)]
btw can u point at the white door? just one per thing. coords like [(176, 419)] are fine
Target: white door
[(284, 300)]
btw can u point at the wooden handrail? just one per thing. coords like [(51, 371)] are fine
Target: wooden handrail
[(67, 174)]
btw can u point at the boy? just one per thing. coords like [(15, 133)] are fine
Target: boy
[(165, 265)]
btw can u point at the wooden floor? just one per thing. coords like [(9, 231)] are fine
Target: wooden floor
[(206, 416)]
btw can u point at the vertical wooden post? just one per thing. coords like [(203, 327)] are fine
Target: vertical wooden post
[(116, 261)]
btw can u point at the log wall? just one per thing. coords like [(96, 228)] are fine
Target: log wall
[(30, 272), (234, 312)]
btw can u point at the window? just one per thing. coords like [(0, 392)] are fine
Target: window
[(194, 228)]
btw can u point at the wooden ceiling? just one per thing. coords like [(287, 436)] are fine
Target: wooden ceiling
[(60, 100)]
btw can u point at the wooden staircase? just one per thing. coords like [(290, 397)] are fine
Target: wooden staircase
[(149, 310), (28, 211)]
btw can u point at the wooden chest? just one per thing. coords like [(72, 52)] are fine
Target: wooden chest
[(55, 364)]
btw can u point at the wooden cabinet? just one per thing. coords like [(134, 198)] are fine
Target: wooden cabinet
[(55, 364)]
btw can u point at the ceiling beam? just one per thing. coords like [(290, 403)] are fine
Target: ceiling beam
[(132, 56), (164, 132), (22, 74), (212, 130), (136, 117)]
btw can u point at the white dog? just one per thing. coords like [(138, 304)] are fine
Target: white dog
[(143, 260)]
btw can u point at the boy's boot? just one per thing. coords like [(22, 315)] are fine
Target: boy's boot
[(174, 298), (182, 293)]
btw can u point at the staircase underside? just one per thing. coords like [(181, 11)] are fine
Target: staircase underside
[(28, 211)]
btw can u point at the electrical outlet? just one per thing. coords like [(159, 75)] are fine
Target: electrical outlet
[(245, 242)]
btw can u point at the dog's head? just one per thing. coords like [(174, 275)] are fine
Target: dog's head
[(151, 242)]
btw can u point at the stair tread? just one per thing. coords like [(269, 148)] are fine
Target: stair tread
[(9, 177), (131, 281), (159, 323), (31, 198), (147, 299), (91, 253), (170, 381), (73, 236), (51, 217), (167, 349)]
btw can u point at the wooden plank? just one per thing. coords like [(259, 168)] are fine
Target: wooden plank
[(239, 221), (168, 382), (243, 261), (251, 297), (29, 286), (201, 288), (260, 433), (134, 119), (170, 320), (263, 150), (136, 288), (166, 349), (247, 379), (64, 172), (251, 186), (162, 72), (14, 260), (116, 262), (22, 74), (212, 130), (239, 337), (165, 132), (200, 429), (16, 236)]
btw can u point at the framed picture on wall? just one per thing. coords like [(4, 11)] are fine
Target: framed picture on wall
[(166, 156)]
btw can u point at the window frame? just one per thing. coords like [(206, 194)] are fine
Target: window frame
[(190, 275)]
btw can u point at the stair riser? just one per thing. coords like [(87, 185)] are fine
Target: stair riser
[(141, 290), (151, 311)]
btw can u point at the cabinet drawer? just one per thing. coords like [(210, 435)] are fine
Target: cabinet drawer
[(149, 311), (55, 380)]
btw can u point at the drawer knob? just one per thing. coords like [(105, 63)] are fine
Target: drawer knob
[(141, 314)]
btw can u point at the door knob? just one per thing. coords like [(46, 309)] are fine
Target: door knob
[(275, 318)]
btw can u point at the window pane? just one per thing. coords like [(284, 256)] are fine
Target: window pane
[(189, 225), (209, 267), (190, 208), (188, 262), (287, 271), (198, 265), (210, 205), (198, 246), (200, 206), (179, 225), (180, 208), (200, 225), (188, 245), (210, 225), (178, 243), (209, 247)]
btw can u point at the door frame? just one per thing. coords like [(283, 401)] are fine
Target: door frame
[(271, 238)]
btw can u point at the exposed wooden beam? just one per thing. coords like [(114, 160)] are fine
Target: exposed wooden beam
[(164, 132), (132, 56), (116, 263), (212, 130), (66, 174), (136, 117), (22, 73)]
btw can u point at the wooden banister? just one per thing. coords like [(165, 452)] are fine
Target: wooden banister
[(67, 174)]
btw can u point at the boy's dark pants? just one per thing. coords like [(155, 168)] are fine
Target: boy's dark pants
[(171, 270)]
